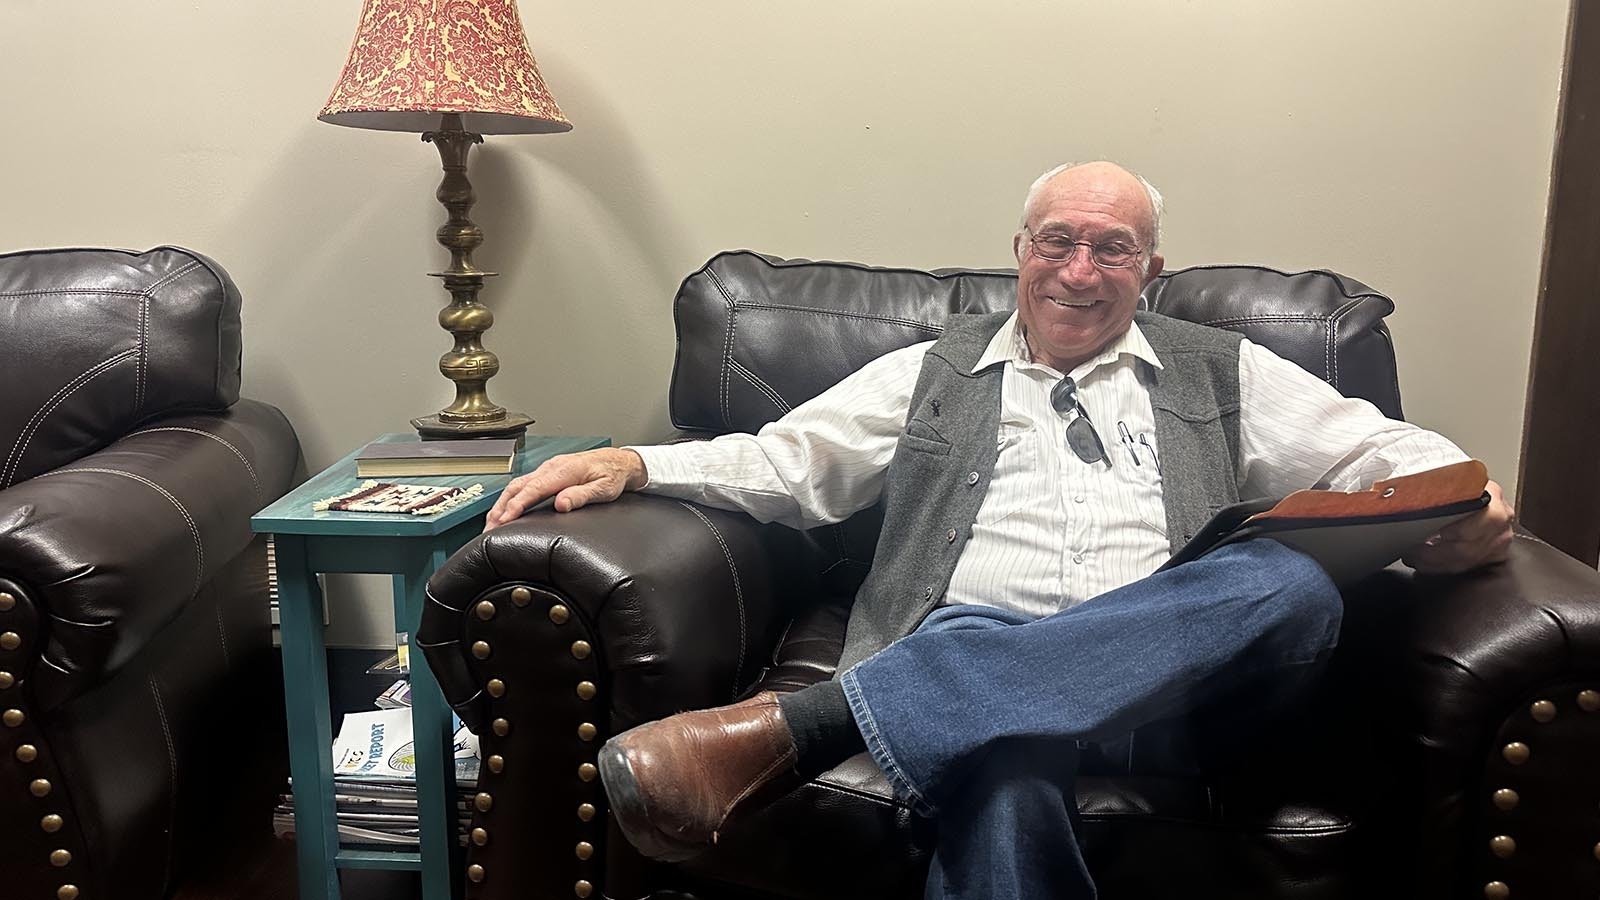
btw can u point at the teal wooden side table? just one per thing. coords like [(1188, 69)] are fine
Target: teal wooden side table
[(410, 548)]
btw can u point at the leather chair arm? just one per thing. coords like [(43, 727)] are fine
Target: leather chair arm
[(1482, 643), (679, 604), (1445, 673), (107, 549)]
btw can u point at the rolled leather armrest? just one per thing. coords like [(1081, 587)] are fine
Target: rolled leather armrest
[(1459, 669), (678, 604), (1482, 642), (109, 548)]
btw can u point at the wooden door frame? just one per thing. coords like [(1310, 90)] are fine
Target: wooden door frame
[(1559, 479)]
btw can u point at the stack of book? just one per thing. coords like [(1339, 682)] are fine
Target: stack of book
[(374, 781)]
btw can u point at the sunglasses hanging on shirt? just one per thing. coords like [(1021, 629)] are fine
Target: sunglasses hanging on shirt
[(1081, 434)]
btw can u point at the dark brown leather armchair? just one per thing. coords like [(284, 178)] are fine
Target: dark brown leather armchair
[(1451, 745), (136, 670)]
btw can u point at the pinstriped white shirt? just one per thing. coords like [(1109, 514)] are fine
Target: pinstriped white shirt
[(1052, 531)]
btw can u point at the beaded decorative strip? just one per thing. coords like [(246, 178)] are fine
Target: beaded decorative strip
[(413, 499)]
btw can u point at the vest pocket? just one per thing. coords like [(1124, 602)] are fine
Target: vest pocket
[(922, 437)]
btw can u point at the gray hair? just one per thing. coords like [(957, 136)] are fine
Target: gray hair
[(1156, 204)]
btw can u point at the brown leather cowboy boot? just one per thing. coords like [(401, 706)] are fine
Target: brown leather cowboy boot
[(675, 782)]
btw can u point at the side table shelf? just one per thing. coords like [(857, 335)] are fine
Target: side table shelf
[(409, 548)]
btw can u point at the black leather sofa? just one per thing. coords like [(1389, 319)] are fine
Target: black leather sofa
[(1448, 752), (137, 678)]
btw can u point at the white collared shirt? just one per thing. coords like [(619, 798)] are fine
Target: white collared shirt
[(1052, 531)]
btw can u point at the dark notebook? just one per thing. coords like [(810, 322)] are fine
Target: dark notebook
[(1351, 534), (401, 458)]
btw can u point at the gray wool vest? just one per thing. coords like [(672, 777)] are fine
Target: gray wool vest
[(941, 468)]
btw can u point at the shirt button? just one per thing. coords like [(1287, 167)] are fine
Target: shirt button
[(972, 478), (950, 535), (927, 594), (1077, 558), (1078, 499)]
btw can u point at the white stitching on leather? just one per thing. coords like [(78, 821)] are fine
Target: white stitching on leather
[(144, 329), (738, 594), (727, 345), (144, 353), (762, 386), (14, 460), (428, 592), (194, 531), (1333, 334), (846, 314), (254, 482), (85, 290)]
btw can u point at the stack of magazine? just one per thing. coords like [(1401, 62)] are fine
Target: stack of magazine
[(374, 780)]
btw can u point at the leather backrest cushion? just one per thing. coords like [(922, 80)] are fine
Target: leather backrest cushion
[(758, 335), (93, 341)]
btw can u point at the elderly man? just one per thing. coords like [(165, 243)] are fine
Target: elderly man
[(1014, 609)]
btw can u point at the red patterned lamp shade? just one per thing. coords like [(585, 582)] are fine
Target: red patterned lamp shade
[(414, 60)]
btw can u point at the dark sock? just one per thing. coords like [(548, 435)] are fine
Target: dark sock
[(825, 733)]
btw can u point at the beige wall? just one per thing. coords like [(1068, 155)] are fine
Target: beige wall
[(1407, 144)]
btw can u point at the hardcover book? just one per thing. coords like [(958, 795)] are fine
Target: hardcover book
[(405, 458)]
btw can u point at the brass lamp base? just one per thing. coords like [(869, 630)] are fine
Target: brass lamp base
[(435, 428), (468, 364)]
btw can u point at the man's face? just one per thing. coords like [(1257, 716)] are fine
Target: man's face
[(1072, 309)]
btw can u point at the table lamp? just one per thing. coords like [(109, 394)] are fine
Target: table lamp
[(453, 70)]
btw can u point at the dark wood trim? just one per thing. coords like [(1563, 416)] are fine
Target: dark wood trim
[(1559, 484)]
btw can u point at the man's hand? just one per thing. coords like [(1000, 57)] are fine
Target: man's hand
[(574, 479), (1481, 538)]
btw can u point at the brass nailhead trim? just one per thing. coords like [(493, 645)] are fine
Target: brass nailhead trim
[(483, 802), (1496, 890), (51, 823), (497, 763), (1589, 701), (27, 753), (10, 641), (587, 731), (583, 888), (502, 727), (1503, 846), (7, 680), (1543, 711), (59, 858), (8, 600), (586, 811), (13, 717), (584, 850), (587, 772), (39, 787), (497, 688), (67, 892), (1516, 753), (480, 837), (560, 614), (581, 649), (475, 873), (484, 609), (585, 690), (521, 596), (480, 649), (1507, 799)]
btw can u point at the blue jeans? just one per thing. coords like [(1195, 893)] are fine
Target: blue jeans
[(977, 716)]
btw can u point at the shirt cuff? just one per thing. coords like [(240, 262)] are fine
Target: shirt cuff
[(669, 470)]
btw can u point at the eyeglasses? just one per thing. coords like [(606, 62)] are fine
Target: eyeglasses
[(1081, 436), (1058, 247)]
